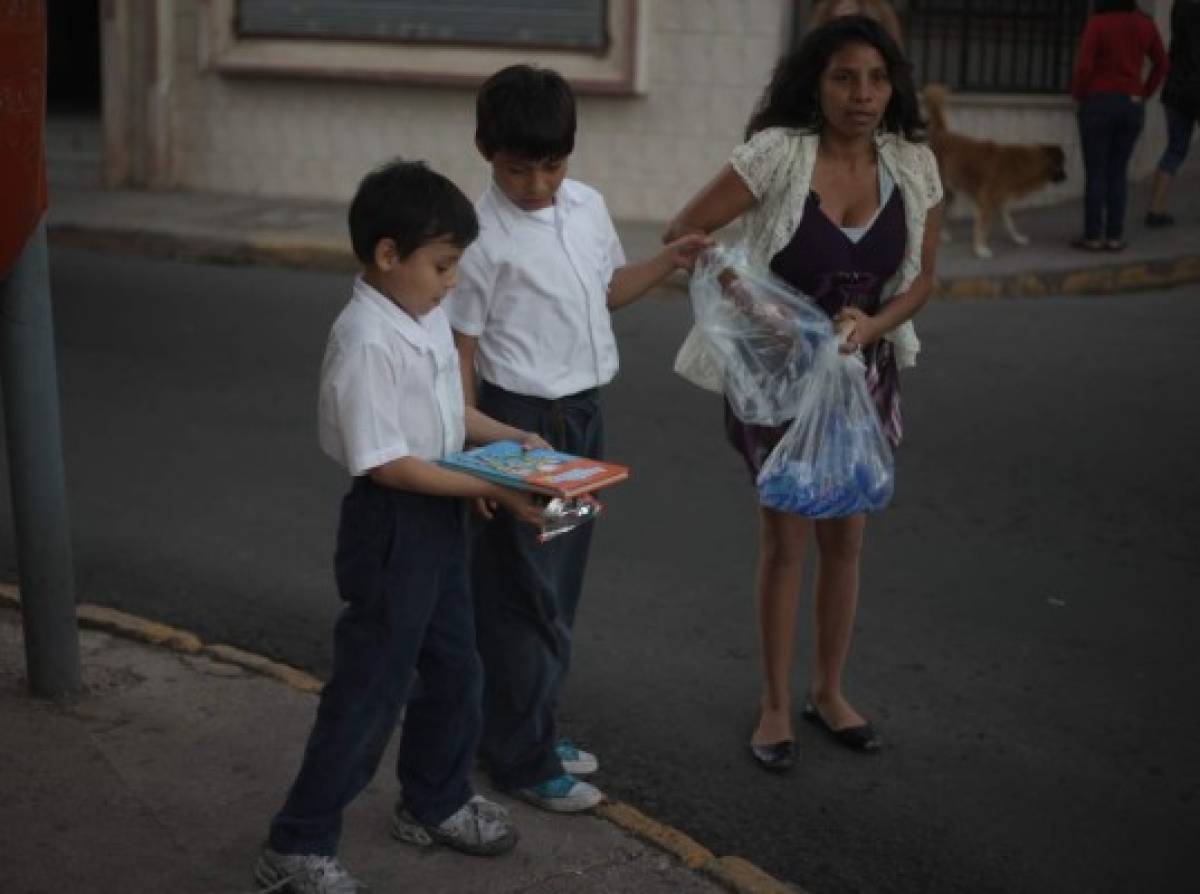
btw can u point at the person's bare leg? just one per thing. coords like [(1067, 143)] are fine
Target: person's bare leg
[(839, 545), (1159, 192), (781, 542)]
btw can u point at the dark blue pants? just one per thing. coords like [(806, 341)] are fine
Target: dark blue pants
[(1109, 126), (401, 569), (1180, 125), (526, 594)]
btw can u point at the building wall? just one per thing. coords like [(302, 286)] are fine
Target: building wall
[(706, 62)]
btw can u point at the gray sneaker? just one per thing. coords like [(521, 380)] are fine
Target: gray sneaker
[(480, 827), (304, 874)]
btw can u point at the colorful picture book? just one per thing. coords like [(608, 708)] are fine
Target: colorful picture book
[(540, 471)]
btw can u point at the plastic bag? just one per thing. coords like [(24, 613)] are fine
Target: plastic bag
[(765, 334), (834, 459), (781, 362)]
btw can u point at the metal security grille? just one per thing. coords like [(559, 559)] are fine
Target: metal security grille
[(996, 46), (572, 24)]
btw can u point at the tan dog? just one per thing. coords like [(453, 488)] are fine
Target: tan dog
[(990, 174)]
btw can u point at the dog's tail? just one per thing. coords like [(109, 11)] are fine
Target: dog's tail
[(935, 106)]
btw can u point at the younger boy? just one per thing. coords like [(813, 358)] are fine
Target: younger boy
[(531, 318), (390, 404)]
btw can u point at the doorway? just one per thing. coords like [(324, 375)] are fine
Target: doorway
[(74, 134)]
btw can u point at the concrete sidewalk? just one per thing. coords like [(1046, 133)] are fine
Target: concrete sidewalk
[(163, 776), (247, 229)]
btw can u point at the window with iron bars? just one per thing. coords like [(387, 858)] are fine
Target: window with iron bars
[(995, 46)]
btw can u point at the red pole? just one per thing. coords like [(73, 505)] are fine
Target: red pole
[(27, 368), (22, 120)]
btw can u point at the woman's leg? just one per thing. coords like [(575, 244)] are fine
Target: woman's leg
[(1127, 127), (781, 542), (1094, 135), (1159, 191), (839, 546), (1179, 135)]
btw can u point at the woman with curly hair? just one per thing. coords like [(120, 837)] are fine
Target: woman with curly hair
[(840, 197)]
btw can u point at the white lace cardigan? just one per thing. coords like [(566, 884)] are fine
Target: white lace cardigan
[(776, 165)]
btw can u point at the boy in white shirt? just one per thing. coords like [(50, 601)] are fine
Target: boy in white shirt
[(531, 320), (390, 405)]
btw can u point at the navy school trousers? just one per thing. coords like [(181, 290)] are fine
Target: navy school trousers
[(400, 567), (526, 594)]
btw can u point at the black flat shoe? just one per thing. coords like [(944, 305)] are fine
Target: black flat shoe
[(857, 738), (776, 757)]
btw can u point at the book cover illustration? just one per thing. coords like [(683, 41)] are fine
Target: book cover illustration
[(540, 471)]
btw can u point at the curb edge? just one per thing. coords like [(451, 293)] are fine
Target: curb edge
[(313, 252), (734, 873)]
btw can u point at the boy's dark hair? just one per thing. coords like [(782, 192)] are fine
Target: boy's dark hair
[(409, 203), (791, 99), (527, 111)]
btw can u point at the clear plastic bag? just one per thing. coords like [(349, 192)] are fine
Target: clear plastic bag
[(781, 362), (765, 334)]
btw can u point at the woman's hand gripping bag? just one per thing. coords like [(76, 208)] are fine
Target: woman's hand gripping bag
[(765, 334)]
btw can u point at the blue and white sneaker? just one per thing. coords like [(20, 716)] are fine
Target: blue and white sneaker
[(575, 761), (562, 794)]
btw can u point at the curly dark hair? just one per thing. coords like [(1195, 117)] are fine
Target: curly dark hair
[(791, 98)]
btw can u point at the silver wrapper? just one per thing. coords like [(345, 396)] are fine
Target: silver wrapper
[(562, 515)]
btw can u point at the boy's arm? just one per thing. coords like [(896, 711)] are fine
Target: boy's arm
[(632, 281), (483, 429), (466, 365), (423, 477)]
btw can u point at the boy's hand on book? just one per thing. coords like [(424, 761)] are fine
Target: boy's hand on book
[(533, 441)]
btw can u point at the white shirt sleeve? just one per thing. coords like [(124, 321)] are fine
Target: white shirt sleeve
[(931, 180), (360, 404), (470, 301), (613, 253)]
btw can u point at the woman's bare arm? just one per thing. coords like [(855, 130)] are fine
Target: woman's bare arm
[(724, 199)]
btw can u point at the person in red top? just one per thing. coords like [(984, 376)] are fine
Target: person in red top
[(1111, 92)]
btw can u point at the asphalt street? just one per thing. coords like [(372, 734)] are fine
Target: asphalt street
[(1028, 628)]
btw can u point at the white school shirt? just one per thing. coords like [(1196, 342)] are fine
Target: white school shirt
[(390, 385), (533, 289)]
